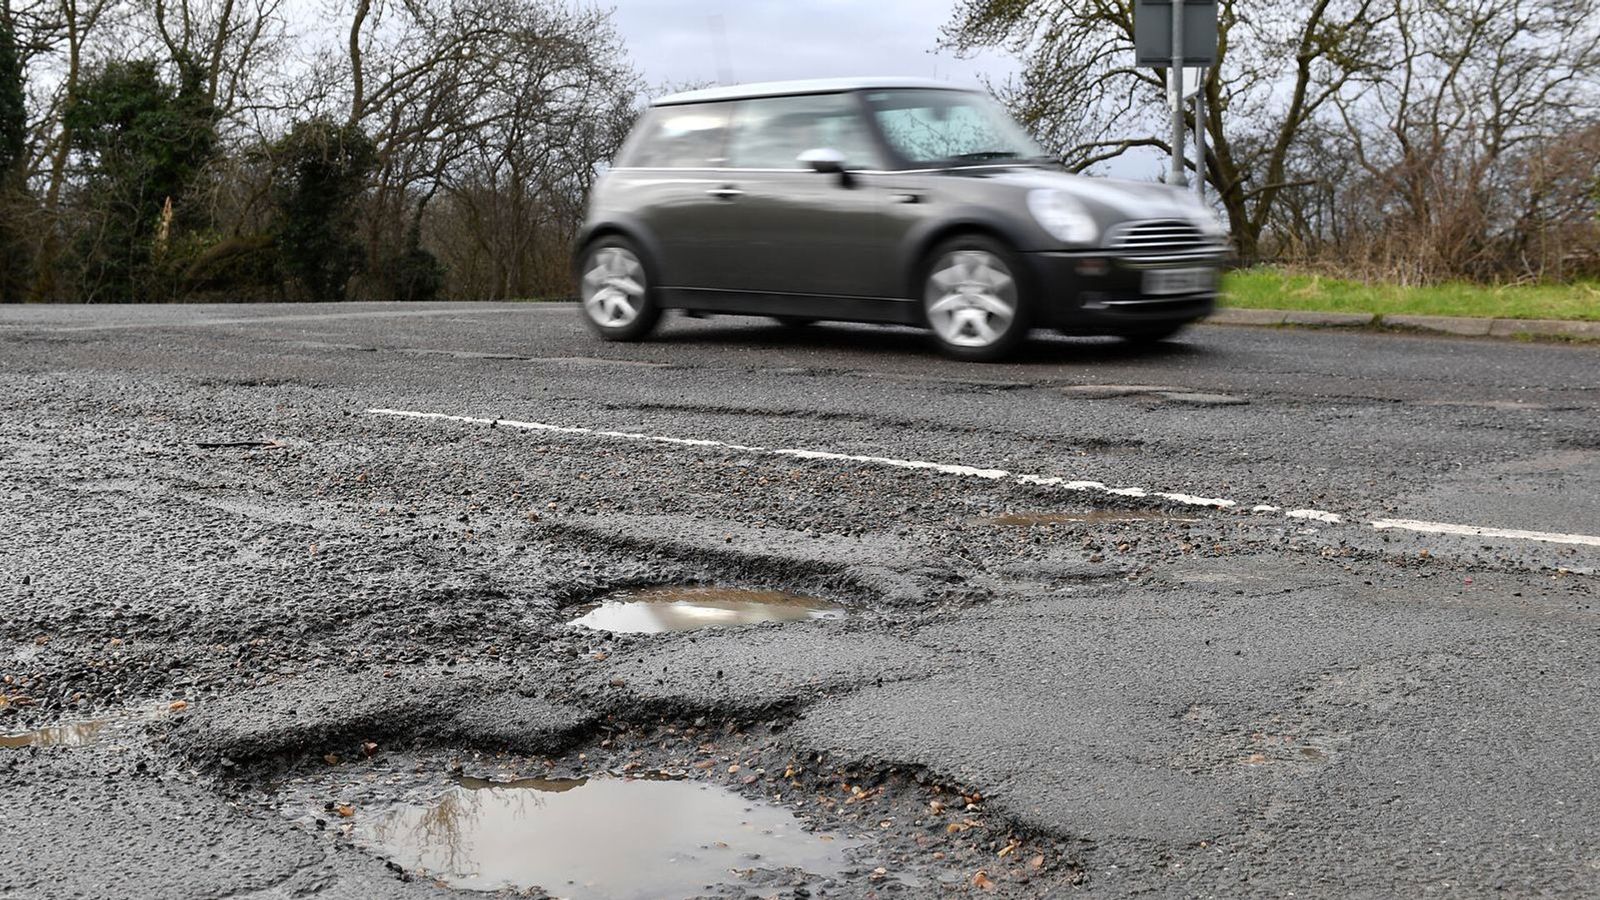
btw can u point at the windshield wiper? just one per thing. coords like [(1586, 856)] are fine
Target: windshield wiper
[(985, 156)]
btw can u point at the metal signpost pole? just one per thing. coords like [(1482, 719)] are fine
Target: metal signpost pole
[(1167, 34), (1175, 79), (1200, 138)]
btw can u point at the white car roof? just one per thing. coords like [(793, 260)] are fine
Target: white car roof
[(807, 86)]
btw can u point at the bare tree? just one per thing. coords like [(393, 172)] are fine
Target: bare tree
[(230, 40), (63, 31), (1455, 133), (1368, 130), (504, 90), (1278, 65)]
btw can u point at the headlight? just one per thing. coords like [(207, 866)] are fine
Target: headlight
[(1063, 217)]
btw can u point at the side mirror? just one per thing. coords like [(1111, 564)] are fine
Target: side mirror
[(824, 160)]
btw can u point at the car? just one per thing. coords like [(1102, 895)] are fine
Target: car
[(882, 200)]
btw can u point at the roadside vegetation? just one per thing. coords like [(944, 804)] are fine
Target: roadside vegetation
[(178, 150), (1272, 288), (1415, 142)]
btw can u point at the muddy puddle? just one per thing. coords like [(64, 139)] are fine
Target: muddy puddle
[(86, 733), (656, 610), (595, 839), (80, 734), (1092, 517)]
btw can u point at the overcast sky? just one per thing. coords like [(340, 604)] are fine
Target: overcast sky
[(675, 41)]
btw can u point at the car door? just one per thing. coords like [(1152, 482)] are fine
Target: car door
[(671, 178), (795, 231)]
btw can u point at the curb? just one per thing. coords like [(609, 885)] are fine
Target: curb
[(1460, 326)]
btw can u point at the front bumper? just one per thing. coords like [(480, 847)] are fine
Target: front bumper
[(1094, 293)]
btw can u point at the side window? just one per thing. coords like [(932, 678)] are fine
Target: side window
[(679, 137), (771, 133)]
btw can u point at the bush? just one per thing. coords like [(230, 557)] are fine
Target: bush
[(320, 171)]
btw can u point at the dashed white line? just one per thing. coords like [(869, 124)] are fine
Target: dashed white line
[(945, 468), (1514, 534), (1316, 515), (201, 322)]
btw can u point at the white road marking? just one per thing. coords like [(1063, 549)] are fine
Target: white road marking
[(945, 468), (1515, 534), (201, 322), (1004, 475), (1315, 515)]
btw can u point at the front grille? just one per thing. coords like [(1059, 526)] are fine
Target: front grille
[(1159, 237)]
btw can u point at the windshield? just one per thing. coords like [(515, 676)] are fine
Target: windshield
[(934, 127)]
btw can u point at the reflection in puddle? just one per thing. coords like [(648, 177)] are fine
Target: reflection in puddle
[(659, 609), (599, 838), (93, 731), (76, 735), (1093, 516)]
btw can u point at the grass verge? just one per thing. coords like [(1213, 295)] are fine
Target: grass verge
[(1266, 288)]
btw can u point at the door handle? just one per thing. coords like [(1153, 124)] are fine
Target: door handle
[(906, 198), (726, 192)]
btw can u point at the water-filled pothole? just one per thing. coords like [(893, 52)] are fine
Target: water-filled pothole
[(75, 735), (599, 838), (87, 732), (1093, 517), (655, 610)]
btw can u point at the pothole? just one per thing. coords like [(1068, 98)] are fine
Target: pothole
[(1093, 517), (75, 735), (656, 610), (88, 732), (1167, 393), (600, 838), (667, 810)]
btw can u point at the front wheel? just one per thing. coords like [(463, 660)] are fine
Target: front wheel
[(973, 299), (618, 298)]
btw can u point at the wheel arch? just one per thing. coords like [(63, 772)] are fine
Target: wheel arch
[(633, 232), (921, 243)]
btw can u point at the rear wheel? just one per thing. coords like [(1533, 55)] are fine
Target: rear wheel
[(618, 298), (974, 300)]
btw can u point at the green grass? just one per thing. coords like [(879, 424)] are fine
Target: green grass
[(1265, 288)]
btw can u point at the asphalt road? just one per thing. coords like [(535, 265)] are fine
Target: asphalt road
[(331, 552)]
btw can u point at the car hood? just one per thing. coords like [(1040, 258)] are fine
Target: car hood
[(1110, 199)]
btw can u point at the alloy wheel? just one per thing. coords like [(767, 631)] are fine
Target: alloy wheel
[(971, 298), (613, 287)]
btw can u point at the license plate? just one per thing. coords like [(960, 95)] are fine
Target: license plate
[(1179, 281)]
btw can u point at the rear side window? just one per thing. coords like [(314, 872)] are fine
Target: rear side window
[(771, 133), (692, 136)]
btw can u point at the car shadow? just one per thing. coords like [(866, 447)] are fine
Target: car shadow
[(1043, 348)]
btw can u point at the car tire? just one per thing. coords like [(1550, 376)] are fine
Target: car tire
[(975, 298), (616, 292)]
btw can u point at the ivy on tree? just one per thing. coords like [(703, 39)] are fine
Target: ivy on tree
[(143, 142), (320, 171)]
